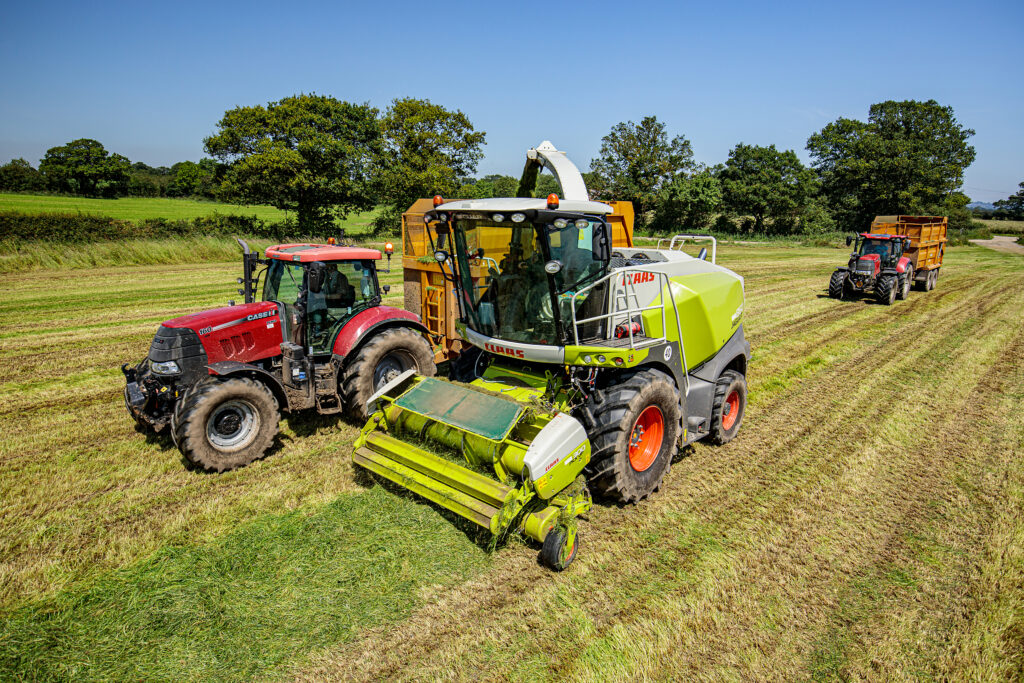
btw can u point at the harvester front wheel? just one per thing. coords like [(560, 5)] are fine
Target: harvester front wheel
[(729, 406), (837, 284), (885, 289), (559, 549), (226, 424), (387, 355), (636, 425)]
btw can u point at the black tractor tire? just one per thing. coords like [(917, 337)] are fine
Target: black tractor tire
[(553, 552), (885, 289), (226, 424), (386, 355), (729, 406), (905, 282), (837, 284), (465, 366), (614, 472)]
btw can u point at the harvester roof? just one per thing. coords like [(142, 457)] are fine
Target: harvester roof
[(306, 252), (512, 204)]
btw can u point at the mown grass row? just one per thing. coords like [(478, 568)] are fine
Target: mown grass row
[(133, 208), (117, 562)]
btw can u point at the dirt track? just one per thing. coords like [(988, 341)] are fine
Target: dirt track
[(1005, 243)]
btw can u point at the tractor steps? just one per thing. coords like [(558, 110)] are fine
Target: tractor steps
[(469, 494)]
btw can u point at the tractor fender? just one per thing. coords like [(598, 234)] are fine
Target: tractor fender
[(372, 320), (234, 368), (901, 266), (842, 269), (889, 271)]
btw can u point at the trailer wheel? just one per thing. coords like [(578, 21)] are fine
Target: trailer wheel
[(885, 289), (906, 279), (226, 424), (556, 553), (634, 433), (837, 284), (730, 404), (933, 278), (385, 356)]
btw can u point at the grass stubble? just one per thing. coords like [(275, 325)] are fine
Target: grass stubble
[(864, 525)]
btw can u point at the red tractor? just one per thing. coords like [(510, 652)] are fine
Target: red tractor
[(319, 339), (877, 263)]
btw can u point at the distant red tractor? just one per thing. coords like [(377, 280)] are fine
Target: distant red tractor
[(878, 264), (319, 339)]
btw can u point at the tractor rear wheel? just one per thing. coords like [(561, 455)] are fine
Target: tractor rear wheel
[(837, 284), (634, 433), (728, 408), (906, 280), (226, 424), (885, 289), (384, 357)]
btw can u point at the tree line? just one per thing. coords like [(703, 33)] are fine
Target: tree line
[(323, 158)]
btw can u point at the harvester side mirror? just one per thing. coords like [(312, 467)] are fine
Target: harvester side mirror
[(702, 255), (601, 248), (317, 275), (849, 240)]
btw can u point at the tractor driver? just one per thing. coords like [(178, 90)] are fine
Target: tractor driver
[(338, 292)]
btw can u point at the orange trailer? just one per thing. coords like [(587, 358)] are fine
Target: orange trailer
[(927, 242)]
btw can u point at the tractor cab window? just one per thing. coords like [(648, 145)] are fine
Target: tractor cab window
[(350, 287), (879, 247)]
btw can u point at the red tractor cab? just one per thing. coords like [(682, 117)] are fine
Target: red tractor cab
[(876, 264), (318, 338)]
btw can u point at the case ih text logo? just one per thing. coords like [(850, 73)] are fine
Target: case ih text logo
[(248, 318), (636, 278), (257, 316), (494, 348)]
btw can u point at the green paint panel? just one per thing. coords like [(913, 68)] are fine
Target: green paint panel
[(491, 417)]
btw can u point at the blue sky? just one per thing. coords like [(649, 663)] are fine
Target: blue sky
[(150, 80)]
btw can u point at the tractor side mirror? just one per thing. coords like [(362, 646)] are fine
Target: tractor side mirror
[(906, 244), (317, 275), (386, 288), (702, 255), (849, 240)]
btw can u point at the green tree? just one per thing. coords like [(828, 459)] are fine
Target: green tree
[(17, 175), (310, 154), (427, 149), (637, 162), (84, 167), (909, 157), (766, 184), (1012, 205), (688, 202), (191, 179)]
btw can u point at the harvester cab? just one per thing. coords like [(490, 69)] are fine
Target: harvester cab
[(318, 338), (595, 363)]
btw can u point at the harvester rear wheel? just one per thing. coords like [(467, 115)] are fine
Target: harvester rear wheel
[(226, 424), (636, 425), (728, 408), (555, 552), (388, 354), (906, 280), (837, 283), (885, 289)]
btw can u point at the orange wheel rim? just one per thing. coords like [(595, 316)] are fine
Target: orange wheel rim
[(645, 438), (731, 410)]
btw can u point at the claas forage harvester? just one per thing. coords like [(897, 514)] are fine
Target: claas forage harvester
[(592, 364)]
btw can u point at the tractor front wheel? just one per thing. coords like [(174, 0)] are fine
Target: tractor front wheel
[(384, 357), (837, 284), (226, 424), (728, 408), (636, 425), (885, 289)]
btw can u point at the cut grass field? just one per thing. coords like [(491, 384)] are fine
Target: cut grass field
[(865, 524), (1004, 227)]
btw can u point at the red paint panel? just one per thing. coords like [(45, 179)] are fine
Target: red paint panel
[(320, 252), (243, 333), (364, 321)]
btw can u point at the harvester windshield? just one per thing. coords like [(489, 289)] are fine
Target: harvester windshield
[(532, 270)]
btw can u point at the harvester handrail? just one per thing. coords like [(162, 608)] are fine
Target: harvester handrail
[(696, 238), (628, 289)]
